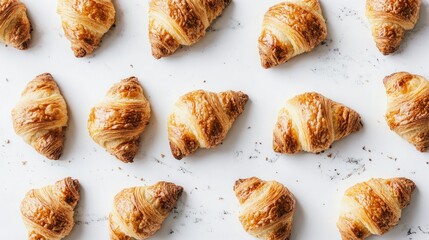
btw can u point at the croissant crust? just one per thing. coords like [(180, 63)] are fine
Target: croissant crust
[(290, 28), (203, 119), (138, 212), (117, 122), (373, 207), (40, 116), (15, 28), (408, 107), (267, 208), (48, 212)]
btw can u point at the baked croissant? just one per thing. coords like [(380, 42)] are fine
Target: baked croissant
[(48, 212), (389, 19), (138, 212), (118, 120), (180, 22), (373, 207), (40, 116), (290, 28), (408, 107), (85, 22), (202, 119), (15, 27), (311, 122), (267, 208)]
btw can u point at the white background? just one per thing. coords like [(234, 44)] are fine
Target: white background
[(346, 68)]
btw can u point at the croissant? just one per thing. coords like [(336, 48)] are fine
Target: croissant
[(48, 212), (15, 28), (267, 208), (373, 207), (138, 212), (40, 116), (85, 22), (290, 28), (202, 119), (180, 22), (117, 122), (408, 107), (389, 19), (311, 122)]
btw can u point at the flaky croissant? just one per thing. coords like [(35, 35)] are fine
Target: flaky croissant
[(389, 20), (85, 22), (180, 22), (311, 122), (15, 28), (373, 207), (48, 212), (118, 120), (290, 28), (40, 117), (408, 107), (202, 119), (138, 212), (267, 208)]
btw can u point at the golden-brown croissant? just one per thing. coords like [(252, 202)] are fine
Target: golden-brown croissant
[(138, 212), (40, 116), (48, 212), (389, 20), (180, 22), (202, 119), (85, 22), (408, 107), (311, 122), (117, 122), (15, 28), (267, 208), (373, 207), (290, 28)]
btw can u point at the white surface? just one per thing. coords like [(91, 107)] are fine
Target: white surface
[(347, 68)]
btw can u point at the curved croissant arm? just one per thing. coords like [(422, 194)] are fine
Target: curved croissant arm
[(48, 212), (202, 119), (181, 22), (40, 116), (15, 27), (389, 20), (85, 22), (290, 28), (408, 107), (138, 212), (373, 207), (311, 122), (117, 122), (267, 208)]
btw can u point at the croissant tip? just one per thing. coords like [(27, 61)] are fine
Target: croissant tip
[(79, 52), (24, 45)]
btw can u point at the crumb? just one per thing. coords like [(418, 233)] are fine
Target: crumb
[(204, 81), (249, 127), (162, 155), (220, 198), (329, 155), (119, 168), (141, 179), (370, 159), (24, 163), (171, 231), (7, 141)]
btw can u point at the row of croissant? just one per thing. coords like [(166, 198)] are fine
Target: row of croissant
[(289, 28), (267, 208), (201, 119)]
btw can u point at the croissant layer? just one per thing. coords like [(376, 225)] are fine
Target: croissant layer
[(290, 28), (138, 212), (48, 212), (311, 122), (15, 28), (173, 23), (203, 119), (267, 208), (389, 20), (373, 207), (408, 107), (117, 122), (40, 116), (85, 22)]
